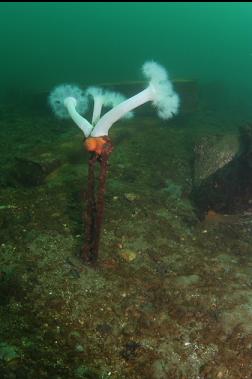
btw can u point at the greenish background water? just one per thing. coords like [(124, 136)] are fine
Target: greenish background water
[(44, 44)]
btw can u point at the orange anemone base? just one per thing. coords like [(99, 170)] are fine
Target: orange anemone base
[(95, 144)]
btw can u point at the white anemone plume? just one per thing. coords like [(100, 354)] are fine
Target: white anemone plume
[(69, 100), (163, 96), (159, 91)]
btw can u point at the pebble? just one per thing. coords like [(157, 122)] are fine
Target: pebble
[(131, 196), (128, 255)]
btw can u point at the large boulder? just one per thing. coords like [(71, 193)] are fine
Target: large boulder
[(223, 173)]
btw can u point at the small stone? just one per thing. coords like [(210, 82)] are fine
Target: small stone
[(130, 350), (79, 348), (85, 372), (74, 334), (131, 196), (28, 173), (104, 328), (8, 353), (185, 281), (128, 255)]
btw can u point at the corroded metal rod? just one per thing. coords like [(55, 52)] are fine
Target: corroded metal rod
[(95, 203)]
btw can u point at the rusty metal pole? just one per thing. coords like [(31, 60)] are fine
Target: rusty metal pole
[(95, 204), (90, 214)]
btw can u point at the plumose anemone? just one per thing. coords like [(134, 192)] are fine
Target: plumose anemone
[(67, 100)]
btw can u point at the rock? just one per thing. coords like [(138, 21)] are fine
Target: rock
[(86, 373), (128, 255), (8, 353), (130, 350), (104, 328), (131, 196), (74, 334), (212, 153), (185, 281), (173, 189), (79, 348), (28, 173), (223, 173)]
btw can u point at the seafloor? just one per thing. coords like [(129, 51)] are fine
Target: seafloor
[(171, 294)]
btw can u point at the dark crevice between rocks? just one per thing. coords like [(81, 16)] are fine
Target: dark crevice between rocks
[(227, 190)]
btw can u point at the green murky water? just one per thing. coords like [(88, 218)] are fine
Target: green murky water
[(46, 44)]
